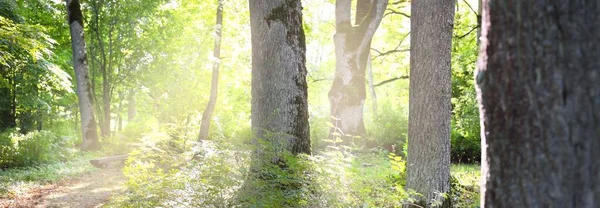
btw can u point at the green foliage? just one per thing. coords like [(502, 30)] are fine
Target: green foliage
[(34, 148), (465, 136), (215, 174), (389, 127), (464, 185)]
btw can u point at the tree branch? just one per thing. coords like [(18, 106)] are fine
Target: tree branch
[(390, 80), (395, 50), (392, 11), (470, 31)]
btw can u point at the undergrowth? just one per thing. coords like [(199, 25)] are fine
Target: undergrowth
[(164, 173), (17, 181)]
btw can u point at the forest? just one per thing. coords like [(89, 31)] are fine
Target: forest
[(299, 103)]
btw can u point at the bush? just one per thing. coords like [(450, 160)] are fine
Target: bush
[(219, 174), (389, 128), (37, 147)]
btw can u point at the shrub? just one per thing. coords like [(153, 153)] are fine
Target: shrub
[(37, 147), (389, 127)]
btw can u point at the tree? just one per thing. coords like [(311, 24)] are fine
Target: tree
[(214, 84), (279, 88), (428, 171), (352, 46), (84, 92), (538, 82)]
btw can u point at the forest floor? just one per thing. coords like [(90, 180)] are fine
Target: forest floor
[(89, 190)]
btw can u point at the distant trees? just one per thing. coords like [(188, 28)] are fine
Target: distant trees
[(84, 92), (352, 47), (539, 92), (428, 167), (214, 84), (279, 88)]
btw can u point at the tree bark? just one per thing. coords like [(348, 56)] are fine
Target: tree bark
[(428, 164), (539, 91), (352, 46), (214, 84), (279, 88), (88, 123)]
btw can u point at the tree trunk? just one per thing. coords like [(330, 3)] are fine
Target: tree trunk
[(352, 45), (7, 117), (131, 107), (428, 164), (479, 6), (105, 121), (279, 88), (212, 100), (539, 92), (88, 123)]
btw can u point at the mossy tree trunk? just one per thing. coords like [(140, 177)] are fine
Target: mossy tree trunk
[(539, 92), (279, 88)]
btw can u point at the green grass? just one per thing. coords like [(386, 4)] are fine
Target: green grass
[(467, 190), (15, 181)]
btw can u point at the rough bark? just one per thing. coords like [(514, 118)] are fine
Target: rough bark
[(428, 164), (539, 92), (214, 84), (352, 46), (279, 88), (88, 123)]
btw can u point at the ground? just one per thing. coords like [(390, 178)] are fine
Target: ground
[(89, 190)]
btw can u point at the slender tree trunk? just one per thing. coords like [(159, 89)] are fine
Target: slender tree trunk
[(88, 123), (352, 45), (7, 118), (479, 7), (428, 164), (214, 84), (131, 107), (279, 88), (372, 87), (539, 92), (105, 124)]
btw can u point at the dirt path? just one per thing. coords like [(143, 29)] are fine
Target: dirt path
[(91, 190)]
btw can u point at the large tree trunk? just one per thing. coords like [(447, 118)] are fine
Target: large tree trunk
[(430, 93), (352, 46), (214, 84), (88, 123), (539, 92), (279, 88)]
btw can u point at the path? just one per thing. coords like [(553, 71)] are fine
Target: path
[(91, 190)]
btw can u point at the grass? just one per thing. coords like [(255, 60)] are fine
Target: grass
[(466, 189), (19, 180)]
